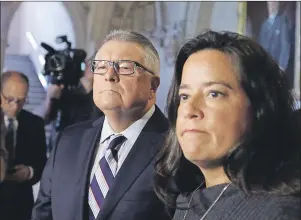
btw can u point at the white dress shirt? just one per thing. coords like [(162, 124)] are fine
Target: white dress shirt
[(271, 19), (15, 128), (131, 134)]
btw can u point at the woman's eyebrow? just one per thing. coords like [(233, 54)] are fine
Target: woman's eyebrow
[(206, 84)]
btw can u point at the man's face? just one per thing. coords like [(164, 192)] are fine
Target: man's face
[(112, 91), (13, 96), (273, 7)]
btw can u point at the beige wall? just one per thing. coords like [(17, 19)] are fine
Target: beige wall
[(92, 22)]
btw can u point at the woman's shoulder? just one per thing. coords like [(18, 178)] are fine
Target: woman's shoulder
[(237, 205), (284, 207), (266, 206), (262, 206)]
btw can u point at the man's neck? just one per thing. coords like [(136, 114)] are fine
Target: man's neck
[(10, 117), (272, 16), (121, 120)]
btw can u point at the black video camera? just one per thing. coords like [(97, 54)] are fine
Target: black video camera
[(64, 66)]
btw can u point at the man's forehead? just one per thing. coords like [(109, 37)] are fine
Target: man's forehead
[(15, 86), (116, 48), (15, 80)]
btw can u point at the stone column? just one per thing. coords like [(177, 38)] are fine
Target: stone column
[(3, 47), (98, 22), (7, 12)]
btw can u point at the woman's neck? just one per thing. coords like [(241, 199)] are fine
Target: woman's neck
[(214, 176)]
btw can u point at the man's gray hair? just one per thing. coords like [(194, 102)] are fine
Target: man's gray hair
[(152, 59)]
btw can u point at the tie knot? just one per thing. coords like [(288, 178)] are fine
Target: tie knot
[(10, 124), (116, 142)]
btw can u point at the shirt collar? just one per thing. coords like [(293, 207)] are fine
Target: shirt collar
[(132, 132), (15, 121), (272, 17)]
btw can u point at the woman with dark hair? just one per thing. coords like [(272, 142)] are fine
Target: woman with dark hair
[(233, 149)]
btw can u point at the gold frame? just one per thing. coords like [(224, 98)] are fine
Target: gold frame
[(242, 17), (241, 29), (297, 81)]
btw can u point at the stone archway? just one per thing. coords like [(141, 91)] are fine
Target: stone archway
[(75, 11)]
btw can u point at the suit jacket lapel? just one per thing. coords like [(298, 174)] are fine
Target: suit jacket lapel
[(84, 162), (142, 153)]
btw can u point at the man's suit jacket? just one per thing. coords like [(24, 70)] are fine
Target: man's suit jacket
[(65, 181), (275, 39), (16, 199)]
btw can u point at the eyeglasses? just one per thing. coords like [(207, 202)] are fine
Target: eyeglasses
[(10, 101), (122, 67)]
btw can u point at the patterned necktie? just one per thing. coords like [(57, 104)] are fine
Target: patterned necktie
[(9, 143), (103, 177)]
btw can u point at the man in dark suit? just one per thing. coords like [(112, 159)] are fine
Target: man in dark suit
[(26, 146), (274, 35), (104, 169)]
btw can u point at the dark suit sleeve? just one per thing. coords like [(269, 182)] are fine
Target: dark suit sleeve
[(42, 208), (39, 147)]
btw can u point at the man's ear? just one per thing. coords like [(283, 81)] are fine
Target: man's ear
[(155, 82)]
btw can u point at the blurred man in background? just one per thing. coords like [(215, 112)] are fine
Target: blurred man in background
[(274, 35), (26, 146)]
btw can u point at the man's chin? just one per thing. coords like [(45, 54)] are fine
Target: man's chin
[(109, 92), (109, 106)]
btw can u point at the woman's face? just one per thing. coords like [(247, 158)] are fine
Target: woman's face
[(214, 109)]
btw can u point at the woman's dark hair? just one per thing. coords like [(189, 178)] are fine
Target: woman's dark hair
[(268, 158)]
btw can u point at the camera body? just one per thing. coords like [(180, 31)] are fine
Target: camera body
[(64, 66)]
